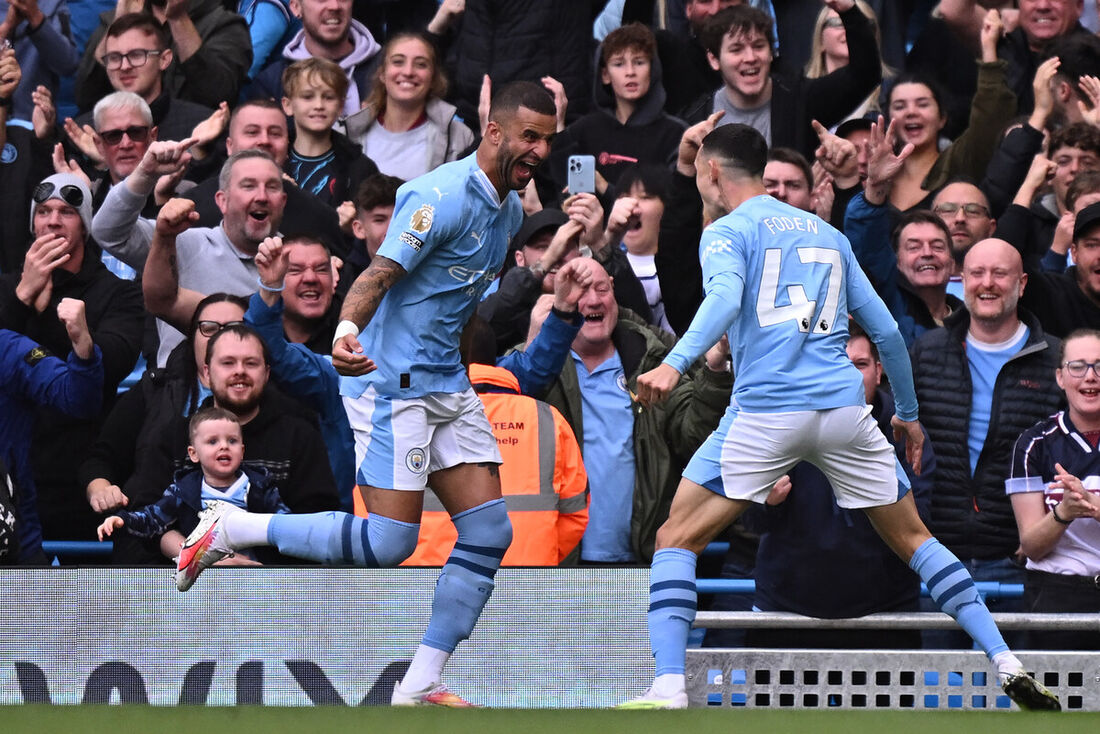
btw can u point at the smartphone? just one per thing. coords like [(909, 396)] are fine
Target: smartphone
[(581, 178)]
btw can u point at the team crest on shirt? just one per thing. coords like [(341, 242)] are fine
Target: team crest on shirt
[(621, 382), (421, 220), (416, 460)]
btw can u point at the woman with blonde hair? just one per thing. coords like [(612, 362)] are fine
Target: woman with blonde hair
[(829, 51), (405, 127)]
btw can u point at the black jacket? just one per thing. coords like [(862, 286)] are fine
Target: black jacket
[(116, 317), (971, 515), (1055, 298)]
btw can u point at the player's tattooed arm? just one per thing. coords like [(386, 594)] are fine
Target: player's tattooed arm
[(368, 289)]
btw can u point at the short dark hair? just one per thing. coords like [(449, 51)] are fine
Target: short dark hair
[(738, 146), (794, 158), (654, 180), (1086, 182), (855, 331), (208, 413), (632, 35), (921, 216), (307, 238), (265, 103), (513, 95), (731, 22), (376, 190), (1079, 135), (143, 22), (242, 332), (1078, 55)]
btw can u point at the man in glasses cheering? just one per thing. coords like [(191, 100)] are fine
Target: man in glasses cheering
[(137, 57), (59, 264)]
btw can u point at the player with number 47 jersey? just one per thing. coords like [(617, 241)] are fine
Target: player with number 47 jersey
[(781, 283)]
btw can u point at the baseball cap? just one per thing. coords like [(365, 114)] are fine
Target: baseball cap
[(537, 222), (1086, 219)]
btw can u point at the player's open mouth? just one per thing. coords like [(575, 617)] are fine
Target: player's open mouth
[(260, 215), (593, 318), (309, 295)]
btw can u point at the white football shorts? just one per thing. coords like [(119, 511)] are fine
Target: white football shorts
[(399, 442)]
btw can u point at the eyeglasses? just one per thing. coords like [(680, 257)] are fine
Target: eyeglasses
[(136, 133), (137, 57), (833, 22), (70, 194), (970, 210), (1079, 368), (210, 328)]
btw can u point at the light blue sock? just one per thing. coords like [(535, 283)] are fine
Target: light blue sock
[(672, 601), (340, 539), (484, 534), (952, 588)]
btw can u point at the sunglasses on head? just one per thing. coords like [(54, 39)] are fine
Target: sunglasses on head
[(70, 194), (210, 328), (137, 133)]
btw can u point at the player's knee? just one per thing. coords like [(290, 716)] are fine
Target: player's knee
[(392, 541), (671, 535), (486, 525)]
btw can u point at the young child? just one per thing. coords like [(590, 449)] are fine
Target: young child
[(372, 207), (217, 447), (321, 161), (628, 124)]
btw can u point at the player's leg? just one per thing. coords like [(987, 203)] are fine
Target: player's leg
[(465, 477), (737, 464), (952, 588), (391, 440), (696, 517), (864, 472)]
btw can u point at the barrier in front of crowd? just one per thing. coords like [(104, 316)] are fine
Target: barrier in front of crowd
[(881, 679)]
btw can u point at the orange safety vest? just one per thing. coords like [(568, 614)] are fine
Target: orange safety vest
[(542, 478)]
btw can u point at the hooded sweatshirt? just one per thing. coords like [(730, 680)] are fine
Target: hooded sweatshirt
[(649, 136), (364, 50)]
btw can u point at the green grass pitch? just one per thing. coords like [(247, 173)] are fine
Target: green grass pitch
[(132, 719)]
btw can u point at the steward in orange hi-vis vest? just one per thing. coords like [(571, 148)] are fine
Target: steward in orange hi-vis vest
[(542, 478)]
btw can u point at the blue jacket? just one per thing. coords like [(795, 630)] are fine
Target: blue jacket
[(182, 501), (30, 377), (311, 378), (868, 229)]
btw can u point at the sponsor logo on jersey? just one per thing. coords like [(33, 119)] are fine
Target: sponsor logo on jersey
[(411, 240), (421, 220)]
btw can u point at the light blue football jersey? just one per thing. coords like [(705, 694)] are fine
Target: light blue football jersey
[(798, 280), (450, 232)]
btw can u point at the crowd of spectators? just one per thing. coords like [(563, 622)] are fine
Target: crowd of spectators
[(956, 144)]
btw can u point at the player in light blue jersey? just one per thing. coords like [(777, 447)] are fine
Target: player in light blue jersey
[(781, 283), (415, 416)]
